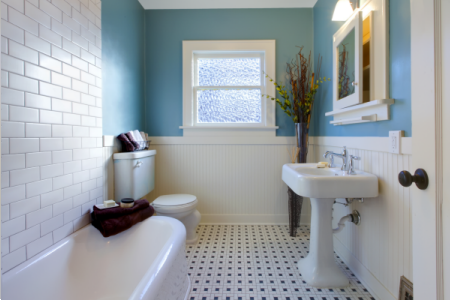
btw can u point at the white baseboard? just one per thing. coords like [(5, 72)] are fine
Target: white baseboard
[(375, 287), (246, 219)]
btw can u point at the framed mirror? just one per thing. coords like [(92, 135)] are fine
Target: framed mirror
[(347, 64), (361, 66)]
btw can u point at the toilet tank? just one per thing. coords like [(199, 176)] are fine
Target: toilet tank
[(134, 174)]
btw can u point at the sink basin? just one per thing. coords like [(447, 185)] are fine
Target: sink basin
[(309, 181)]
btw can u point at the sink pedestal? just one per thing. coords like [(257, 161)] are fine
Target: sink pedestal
[(322, 186), (319, 268)]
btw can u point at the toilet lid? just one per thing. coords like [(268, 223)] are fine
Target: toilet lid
[(174, 200)]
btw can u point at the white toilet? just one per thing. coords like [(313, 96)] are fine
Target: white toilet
[(134, 176), (181, 207)]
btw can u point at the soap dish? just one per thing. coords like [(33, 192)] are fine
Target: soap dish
[(101, 206)]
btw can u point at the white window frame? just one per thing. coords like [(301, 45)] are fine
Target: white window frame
[(194, 49)]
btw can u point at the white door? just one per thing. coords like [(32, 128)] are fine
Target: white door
[(430, 128), (445, 44)]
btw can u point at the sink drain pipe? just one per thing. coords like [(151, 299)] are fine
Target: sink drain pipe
[(354, 217)]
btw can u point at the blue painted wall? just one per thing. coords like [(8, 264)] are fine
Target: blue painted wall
[(123, 66), (400, 73), (166, 29), (142, 62)]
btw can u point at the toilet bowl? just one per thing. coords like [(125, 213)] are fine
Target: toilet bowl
[(181, 207)]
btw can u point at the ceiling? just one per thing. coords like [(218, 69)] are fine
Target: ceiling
[(214, 4)]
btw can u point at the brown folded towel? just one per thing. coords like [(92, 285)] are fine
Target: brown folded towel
[(126, 142), (115, 212), (132, 140), (112, 221)]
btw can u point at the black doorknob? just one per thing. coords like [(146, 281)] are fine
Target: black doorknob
[(420, 178)]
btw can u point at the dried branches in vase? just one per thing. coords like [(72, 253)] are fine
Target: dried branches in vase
[(297, 101)]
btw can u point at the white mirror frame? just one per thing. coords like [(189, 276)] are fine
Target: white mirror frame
[(377, 109), (355, 22)]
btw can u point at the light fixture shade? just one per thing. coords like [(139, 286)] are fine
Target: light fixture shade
[(342, 11)]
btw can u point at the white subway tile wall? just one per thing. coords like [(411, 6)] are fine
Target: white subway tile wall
[(51, 122)]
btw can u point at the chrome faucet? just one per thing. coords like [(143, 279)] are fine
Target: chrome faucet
[(347, 166), (343, 156)]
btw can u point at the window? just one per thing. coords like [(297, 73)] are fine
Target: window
[(223, 84), (228, 88)]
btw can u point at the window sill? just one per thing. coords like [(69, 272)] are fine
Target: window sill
[(236, 131)]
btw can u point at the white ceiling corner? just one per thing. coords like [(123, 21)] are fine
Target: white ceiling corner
[(223, 4)]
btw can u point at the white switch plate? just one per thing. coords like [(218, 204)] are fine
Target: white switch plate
[(395, 138)]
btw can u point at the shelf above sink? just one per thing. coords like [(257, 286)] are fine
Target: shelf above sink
[(362, 119), (372, 111)]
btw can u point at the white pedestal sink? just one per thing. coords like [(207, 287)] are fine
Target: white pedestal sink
[(323, 186)]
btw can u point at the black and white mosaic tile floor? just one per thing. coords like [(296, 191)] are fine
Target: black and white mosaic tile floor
[(257, 262)]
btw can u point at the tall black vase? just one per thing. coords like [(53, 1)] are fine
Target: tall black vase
[(296, 201)]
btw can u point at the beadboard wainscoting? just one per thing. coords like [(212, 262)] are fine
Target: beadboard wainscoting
[(241, 183), (51, 122), (235, 184), (379, 250)]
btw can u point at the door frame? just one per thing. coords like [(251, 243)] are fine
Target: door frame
[(428, 148), (445, 78)]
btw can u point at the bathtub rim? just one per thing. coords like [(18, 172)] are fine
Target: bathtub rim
[(188, 291), (170, 248)]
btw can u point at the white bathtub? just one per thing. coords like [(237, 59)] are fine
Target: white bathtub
[(145, 262)]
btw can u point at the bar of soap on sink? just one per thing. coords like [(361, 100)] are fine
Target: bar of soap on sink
[(322, 164), (109, 203)]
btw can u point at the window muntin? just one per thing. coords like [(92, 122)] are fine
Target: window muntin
[(228, 87)]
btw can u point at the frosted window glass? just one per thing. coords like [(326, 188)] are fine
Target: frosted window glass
[(229, 72), (229, 106)]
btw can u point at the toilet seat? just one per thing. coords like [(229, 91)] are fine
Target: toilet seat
[(175, 203), (174, 200)]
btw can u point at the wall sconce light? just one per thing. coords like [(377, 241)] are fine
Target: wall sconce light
[(342, 11)]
